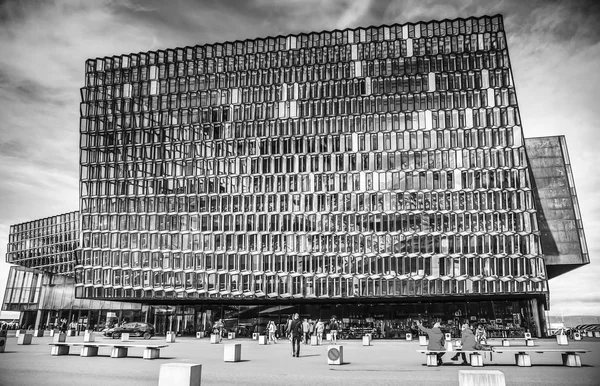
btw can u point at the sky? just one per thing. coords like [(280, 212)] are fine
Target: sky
[(554, 49)]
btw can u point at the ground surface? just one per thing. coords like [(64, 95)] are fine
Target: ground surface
[(386, 362)]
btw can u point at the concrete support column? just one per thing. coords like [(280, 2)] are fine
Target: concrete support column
[(38, 320)]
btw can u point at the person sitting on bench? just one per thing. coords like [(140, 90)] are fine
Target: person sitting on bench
[(436, 340), (467, 342)]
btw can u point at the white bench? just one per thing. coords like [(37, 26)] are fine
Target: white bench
[(570, 356), (506, 342), (119, 350)]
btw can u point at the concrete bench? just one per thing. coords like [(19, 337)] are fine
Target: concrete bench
[(119, 350), (506, 342), (570, 356), (476, 357)]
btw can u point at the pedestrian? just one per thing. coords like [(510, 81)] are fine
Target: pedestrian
[(62, 325), (295, 332), (333, 329), (218, 329), (436, 340), (467, 343), (271, 328), (288, 328), (306, 331), (319, 328), (480, 334)]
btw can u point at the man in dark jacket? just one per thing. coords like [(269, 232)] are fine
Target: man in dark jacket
[(436, 340), (467, 342), (295, 331)]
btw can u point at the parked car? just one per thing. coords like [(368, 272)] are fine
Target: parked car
[(140, 329)]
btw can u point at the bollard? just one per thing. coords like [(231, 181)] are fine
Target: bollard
[(230, 335), (181, 374), (481, 378), (124, 337), (262, 340), (328, 336), (505, 343), (448, 336), (366, 340), (199, 334), (24, 339), (255, 335), (423, 340), (170, 336), (89, 337), (561, 340), (335, 355), (408, 336), (38, 333), (52, 332), (314, 341), (60, 337), (528, 335), (214, 339), (232, 352), (70, 332)]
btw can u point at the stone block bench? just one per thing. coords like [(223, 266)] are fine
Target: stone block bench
[(476, 356), (570, 356), (506, 342), (119, 350)]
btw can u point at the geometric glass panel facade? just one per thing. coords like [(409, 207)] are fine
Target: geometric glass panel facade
[(48, 244), (381, 162)]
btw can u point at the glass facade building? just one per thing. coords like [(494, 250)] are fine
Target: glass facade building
[(48, 244), (382, 170)]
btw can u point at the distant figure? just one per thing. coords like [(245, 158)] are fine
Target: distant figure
[(218, 329), (467, 342), (295, 332), (436, 340), (319, 329), (333, 329), (288, 327), (271, 328), (306, 331), (63, 325), (480, 334)]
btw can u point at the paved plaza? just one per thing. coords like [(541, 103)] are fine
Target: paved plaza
[(386, 362)]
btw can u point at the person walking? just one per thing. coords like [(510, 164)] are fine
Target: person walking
[(306, 331), (333, 329), (271, 328), (436, 340), (467, 343), (319, 329), (295, 332), (218, 329)]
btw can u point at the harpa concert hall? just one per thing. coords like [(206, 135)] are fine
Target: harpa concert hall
[(377, 174)]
